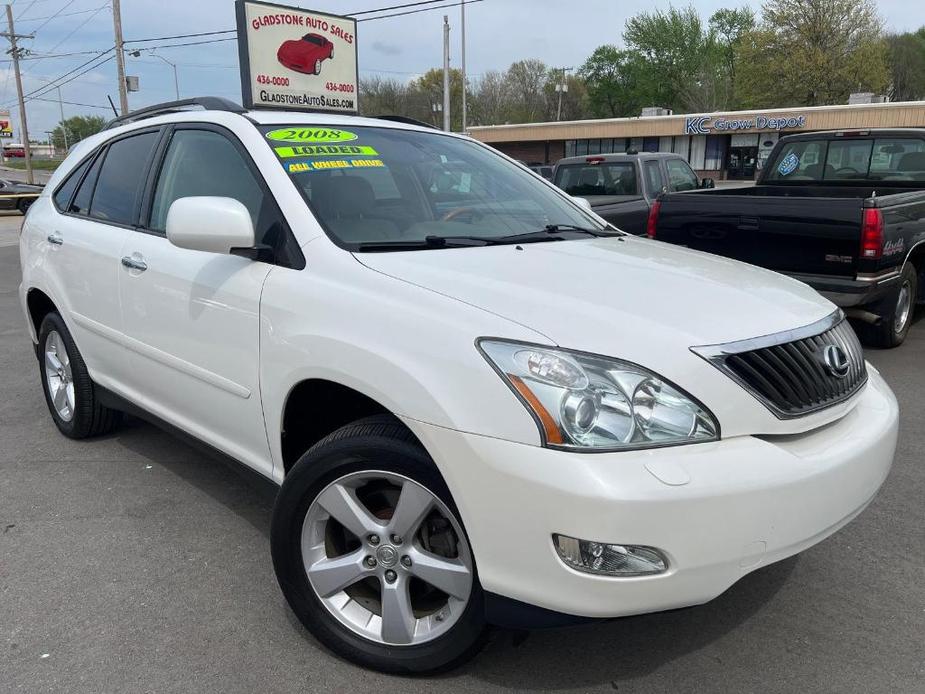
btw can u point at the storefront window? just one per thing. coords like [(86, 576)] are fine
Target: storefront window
[(716, 152)]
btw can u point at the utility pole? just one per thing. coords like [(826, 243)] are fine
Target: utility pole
[(446, 73), (120, 55), (562, 88), (14, 52), (63, 127), (462, 26)]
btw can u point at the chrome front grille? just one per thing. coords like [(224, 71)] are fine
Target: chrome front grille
[(796, 372)]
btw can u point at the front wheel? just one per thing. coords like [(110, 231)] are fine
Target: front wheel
[(371, 555), (317, 67), (896, 315)]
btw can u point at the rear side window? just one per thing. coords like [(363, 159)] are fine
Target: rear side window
[(121, 177), (898, 159), (654, 177), (81, 203), (66, 190), (680, 175)]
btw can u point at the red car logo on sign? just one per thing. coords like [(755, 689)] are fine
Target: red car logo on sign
[(306, 54)]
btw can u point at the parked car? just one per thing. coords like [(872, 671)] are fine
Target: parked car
[(306, 54), (842, 211), (483, 406), (622, 187), (18, 196), (14, 151), (543, 170)]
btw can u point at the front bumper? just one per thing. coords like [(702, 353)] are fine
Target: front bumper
[(717, 510)]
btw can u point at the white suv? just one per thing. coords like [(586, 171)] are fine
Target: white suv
[(483, 405)]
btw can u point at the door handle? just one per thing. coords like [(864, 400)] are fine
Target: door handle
[(55, 239), (748, 224), (134, 263)]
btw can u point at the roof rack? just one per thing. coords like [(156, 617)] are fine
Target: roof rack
[(207, 103), (407, 121)]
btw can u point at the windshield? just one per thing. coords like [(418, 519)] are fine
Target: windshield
[(895, 159), (369, 185), (598, 178)]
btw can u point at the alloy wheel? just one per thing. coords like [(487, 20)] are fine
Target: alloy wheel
[(58, 377), (903, 308), (387, 558)]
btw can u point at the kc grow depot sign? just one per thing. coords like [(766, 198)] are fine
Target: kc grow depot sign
[(704, 125), (296, 59)]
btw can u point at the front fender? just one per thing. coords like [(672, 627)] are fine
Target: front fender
[(409, 349)]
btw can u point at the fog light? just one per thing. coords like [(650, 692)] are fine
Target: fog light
[(609, 560)]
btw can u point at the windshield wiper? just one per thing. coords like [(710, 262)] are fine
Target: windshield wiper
[(553, 228), (425, 243)]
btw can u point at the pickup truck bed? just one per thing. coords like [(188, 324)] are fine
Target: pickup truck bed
[(857, 243)]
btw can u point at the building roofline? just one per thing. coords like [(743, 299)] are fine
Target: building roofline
[(714, 114)]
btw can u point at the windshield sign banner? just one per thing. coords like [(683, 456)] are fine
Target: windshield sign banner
[(296, 59), (705, 125)]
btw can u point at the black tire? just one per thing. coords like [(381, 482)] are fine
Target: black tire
[(885, 335), (24, 204), (375, 443), (90, 418)]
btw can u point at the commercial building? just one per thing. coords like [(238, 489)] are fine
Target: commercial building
[(729, 145)]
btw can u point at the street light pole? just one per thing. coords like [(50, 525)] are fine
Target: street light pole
[(462, 36), (176, 79), (446, 73), (63, 126)]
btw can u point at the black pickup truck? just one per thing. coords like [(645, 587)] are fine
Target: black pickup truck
[(622, 187), (842, 211)]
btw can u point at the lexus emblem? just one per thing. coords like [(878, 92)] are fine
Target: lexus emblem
[(836, 361)]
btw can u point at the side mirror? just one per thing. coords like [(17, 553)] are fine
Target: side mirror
[(582, 202), (707, 183), (210, 224)]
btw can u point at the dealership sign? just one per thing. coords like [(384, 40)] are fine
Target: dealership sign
[(705, 125), (296, 59), (6, 125)]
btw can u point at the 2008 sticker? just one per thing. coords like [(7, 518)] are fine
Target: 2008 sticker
[(311, 135)]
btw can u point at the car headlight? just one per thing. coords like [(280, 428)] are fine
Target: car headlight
[(592, 403)]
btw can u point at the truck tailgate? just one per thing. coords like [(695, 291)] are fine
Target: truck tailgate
[(796, 235)]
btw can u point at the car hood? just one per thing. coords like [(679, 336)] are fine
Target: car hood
[(623, 296)]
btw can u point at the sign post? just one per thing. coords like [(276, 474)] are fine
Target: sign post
[(296, 59)]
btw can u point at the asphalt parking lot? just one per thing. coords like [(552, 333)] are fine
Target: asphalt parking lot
[(134, 563)]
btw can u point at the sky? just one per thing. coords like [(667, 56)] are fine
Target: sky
[(498, 32)]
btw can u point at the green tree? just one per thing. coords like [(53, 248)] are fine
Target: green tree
[(75, 129), (729, 26), (427, 90), (907, 65), (676, 52), (812, 52), (525, 80), (614, 82)]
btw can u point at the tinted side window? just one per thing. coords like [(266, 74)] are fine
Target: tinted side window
[(81, 201), (66, 190), (203, 162), (120, 179), (654, 177), (680, 175)]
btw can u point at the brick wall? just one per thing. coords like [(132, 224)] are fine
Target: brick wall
[(533, 151)]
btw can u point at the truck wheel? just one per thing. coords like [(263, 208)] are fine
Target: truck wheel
[(896, 315), (66, 383), (371, 555)]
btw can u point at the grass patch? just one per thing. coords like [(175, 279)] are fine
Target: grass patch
[(37, 164)]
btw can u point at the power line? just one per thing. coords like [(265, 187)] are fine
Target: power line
[(59, 16), (48, 88), (66, 5), (74, 31), (70, 103), (367, 19), (26, 10)]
